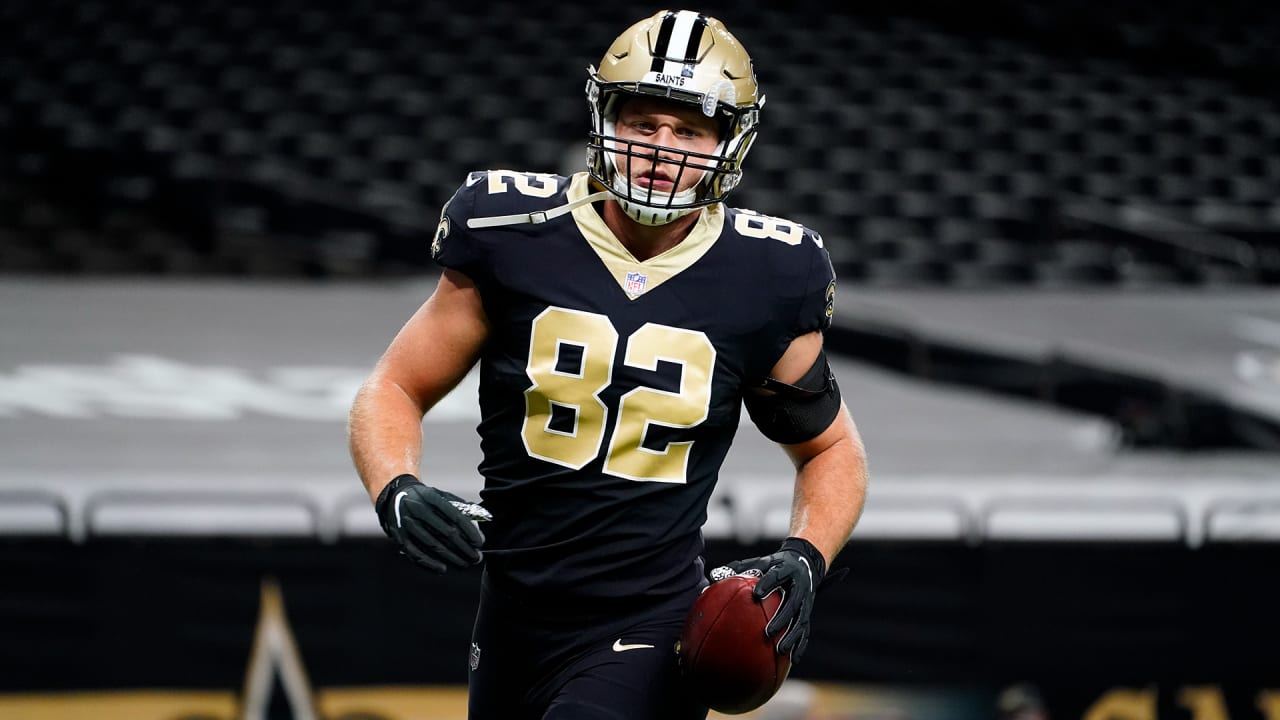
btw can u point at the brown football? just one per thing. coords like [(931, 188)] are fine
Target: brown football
[(725, 657)]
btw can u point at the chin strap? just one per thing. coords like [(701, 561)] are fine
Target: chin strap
[(537, 216), (652, 215)]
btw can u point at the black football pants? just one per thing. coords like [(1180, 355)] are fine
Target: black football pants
[(554, 664)]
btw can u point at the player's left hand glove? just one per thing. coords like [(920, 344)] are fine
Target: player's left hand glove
[(433, 528), (795, 570)]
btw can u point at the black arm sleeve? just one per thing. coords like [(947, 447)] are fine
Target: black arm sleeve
[(794, 413)]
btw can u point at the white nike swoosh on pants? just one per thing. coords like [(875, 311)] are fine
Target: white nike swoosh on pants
[(619, 647)]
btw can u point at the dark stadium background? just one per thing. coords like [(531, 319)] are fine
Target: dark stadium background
[(1057, 231)]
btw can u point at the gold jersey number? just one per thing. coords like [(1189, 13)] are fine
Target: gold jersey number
[(571, 356)]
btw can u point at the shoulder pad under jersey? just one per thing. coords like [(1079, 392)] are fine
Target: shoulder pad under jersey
[(489, 193), (798, 260)]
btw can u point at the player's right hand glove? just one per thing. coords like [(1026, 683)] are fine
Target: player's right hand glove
[(795, 570), (432, 527)]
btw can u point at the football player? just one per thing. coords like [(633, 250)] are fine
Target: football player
[(622, 318)]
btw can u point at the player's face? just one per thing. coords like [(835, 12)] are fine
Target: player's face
[(674, 125)]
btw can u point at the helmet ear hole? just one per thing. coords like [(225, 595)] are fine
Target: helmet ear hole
[(726, 128)]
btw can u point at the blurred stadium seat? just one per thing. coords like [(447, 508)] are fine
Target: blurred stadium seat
[(30, 513), (1091, 519), (199, 513)]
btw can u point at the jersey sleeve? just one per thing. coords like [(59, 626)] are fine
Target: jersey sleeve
[(816, 304), (454, 246)]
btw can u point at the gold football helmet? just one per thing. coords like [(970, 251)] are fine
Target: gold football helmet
[(687, 57)]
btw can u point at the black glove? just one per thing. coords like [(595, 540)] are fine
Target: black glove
[(432, 527), (796, 570)]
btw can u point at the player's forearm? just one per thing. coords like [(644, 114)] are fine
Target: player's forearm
[(831, 488), (384, 432)]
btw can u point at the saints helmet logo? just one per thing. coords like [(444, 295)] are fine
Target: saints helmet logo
[(442, 231)]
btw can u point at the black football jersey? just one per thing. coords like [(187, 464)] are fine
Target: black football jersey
[(610, 389)]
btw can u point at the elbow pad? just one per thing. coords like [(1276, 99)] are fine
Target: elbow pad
[(789, 414)]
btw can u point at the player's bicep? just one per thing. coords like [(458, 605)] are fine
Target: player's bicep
[(797, 358), (438, 345), (839, 431)]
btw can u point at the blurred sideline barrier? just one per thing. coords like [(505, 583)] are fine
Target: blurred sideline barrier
[(740, 511), (928, 630)]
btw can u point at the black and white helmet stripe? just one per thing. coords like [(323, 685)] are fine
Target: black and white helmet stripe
[(678, 39)]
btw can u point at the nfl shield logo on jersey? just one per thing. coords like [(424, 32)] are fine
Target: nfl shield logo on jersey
[(635, 282)]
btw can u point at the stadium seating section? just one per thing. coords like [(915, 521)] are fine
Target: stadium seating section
[(1038, 144)]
